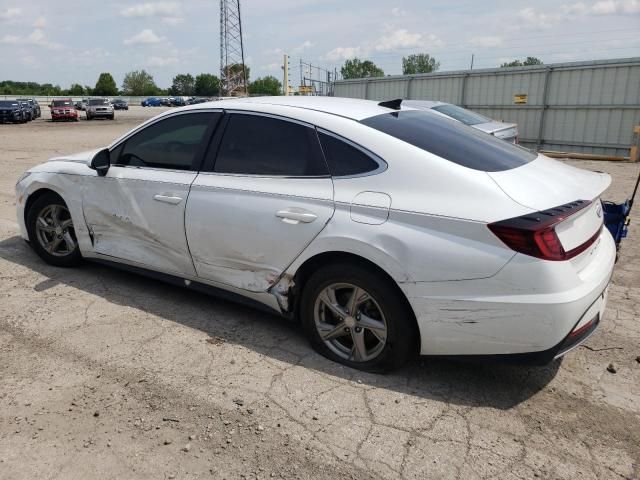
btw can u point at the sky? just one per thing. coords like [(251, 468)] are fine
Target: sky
[(73, 41)]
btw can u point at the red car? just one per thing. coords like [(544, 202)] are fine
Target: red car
[(63, 109)]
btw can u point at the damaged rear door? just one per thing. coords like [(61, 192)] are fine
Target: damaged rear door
[(136, 212), (259, 202)]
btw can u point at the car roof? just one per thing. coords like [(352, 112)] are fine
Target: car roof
[(352, 108)]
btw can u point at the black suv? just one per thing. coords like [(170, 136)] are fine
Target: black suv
[(11, 111), (26, 109), (35, 106)]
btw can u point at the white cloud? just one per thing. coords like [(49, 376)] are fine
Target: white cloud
[(35, 38), (40, 22), (171, 12), (173, 20), (10, 39), (603, 7), (145, 37), (342, 53), (389, 42), (152, 9), (274, 51), (402, 38), (537, 20), (487, 41), (10, 13), (302, 47), (398, 12), (161, 61)]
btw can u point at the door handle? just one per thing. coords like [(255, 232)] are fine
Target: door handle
[(296, 215), (173, 200)]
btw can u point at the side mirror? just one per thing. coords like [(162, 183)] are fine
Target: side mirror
[(101, 162)]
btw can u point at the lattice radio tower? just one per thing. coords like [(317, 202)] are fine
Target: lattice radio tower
[(233, 75)]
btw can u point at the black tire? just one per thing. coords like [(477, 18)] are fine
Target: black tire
[(70, 259), (402, 335), (112, 117)]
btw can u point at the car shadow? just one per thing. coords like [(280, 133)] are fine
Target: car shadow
[(462, 382)]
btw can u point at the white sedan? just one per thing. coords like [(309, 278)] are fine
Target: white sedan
[(387, 231), (504, 131)]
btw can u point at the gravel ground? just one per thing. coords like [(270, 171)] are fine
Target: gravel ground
[(104, 374)]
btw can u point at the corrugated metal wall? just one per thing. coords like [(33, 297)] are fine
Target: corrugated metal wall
[(586, 107)]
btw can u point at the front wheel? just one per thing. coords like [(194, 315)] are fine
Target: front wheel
[(51, 231), (355, 316)]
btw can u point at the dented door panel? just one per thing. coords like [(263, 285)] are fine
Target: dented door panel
[(245, 231), (129, 218)]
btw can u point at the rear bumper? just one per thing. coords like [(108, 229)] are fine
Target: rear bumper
[(529, 308)]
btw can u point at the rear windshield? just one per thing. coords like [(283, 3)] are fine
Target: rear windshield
[(61, 103), (462, 114), (451, 140)]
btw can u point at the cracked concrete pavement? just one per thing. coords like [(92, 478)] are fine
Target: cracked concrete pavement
[(104, 374)]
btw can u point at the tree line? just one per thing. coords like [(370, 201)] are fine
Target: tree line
[(412, 64), (141, 83)]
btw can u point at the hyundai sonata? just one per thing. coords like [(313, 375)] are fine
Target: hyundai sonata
[(387, 231)]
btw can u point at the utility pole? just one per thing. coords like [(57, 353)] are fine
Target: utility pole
[(233, 72), (471, 68), (285, 79)]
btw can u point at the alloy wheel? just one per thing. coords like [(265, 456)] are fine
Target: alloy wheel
[(54, 231), (350, 322)]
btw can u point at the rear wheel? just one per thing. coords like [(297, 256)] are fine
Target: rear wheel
[(357, 317), (51, 231)]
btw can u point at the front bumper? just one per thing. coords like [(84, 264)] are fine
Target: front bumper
[(4, 118), (101, 113), (64, 116), (529, 307)]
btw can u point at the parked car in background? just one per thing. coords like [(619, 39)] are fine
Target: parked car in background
[(99, 108), (63, 109), (179, 101), (151, 102), (195, 101), (27, 111), (386, 230), (11, 112), (119, 104), (35, 106), (501, 130), (165, 102)]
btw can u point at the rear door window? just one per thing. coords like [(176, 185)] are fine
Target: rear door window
[(451, 140), (267, 146)]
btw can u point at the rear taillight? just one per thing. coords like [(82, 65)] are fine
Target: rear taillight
[(535, 234)]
